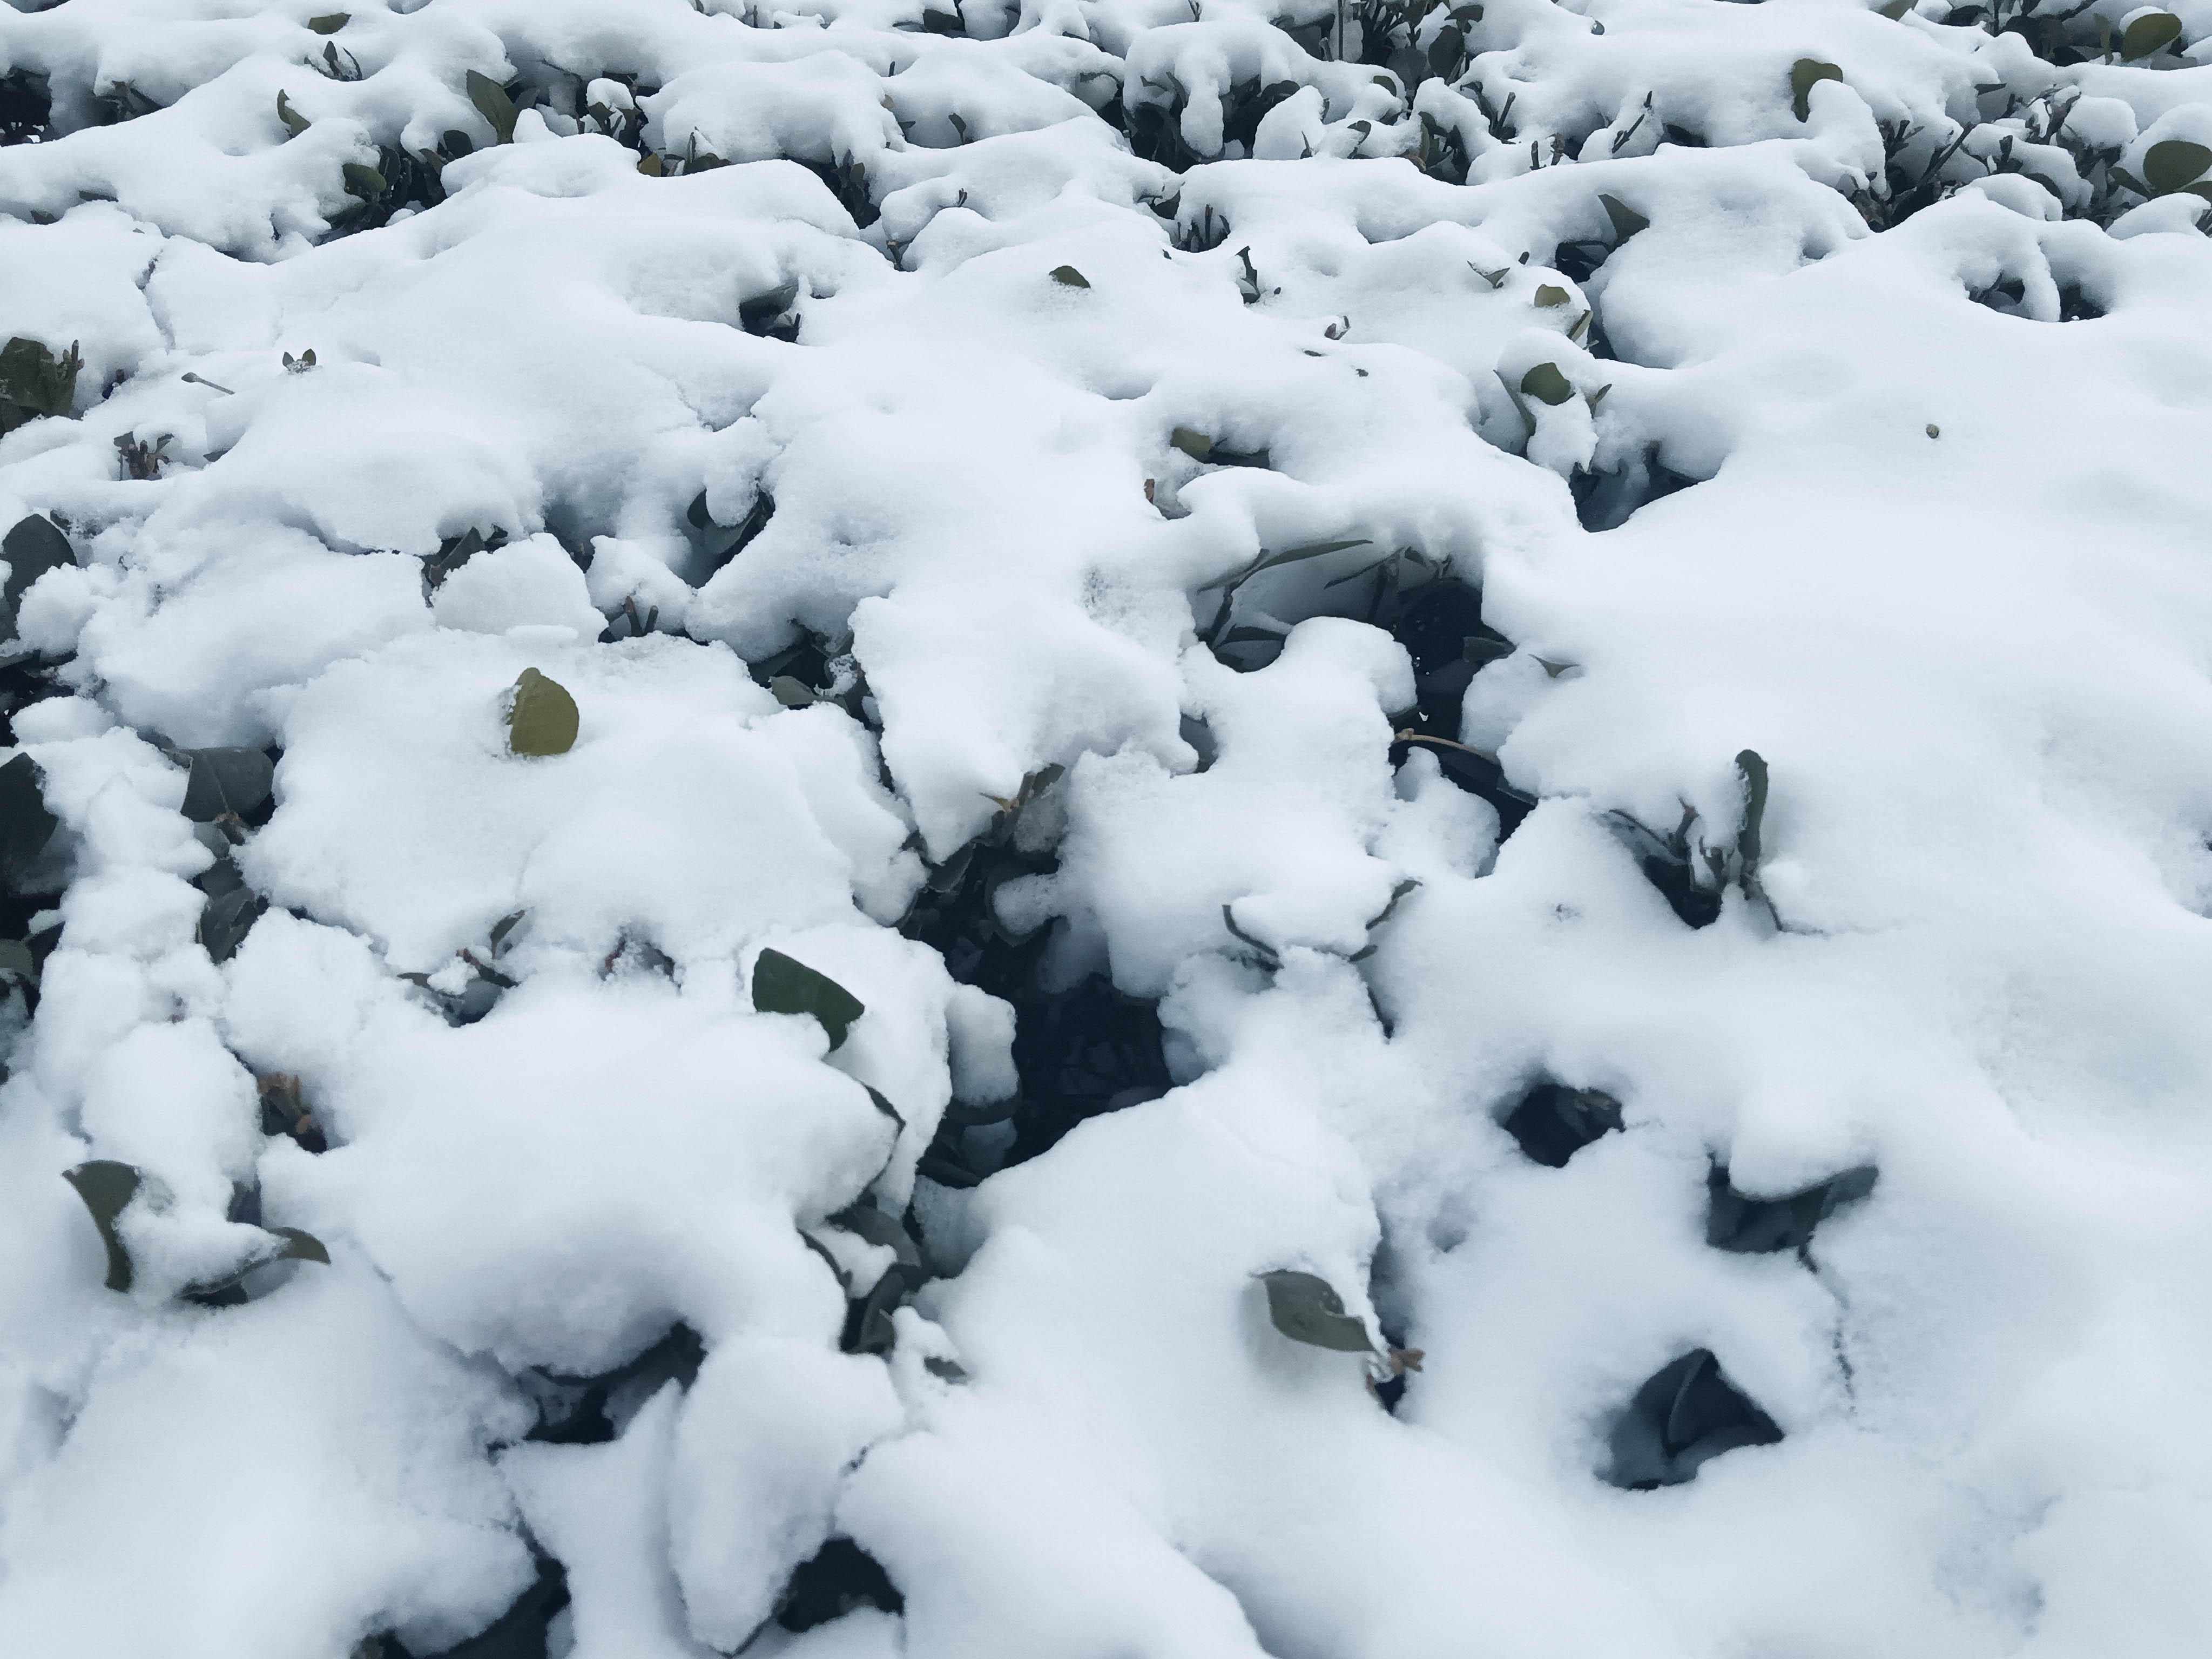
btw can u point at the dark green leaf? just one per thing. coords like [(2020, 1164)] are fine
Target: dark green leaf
[(1552, 294), (502, 927), (1194, 444), (1306, 1309), (868, 1328), (106, 1187), (1254, 636), (2173, 164), (25, 825), (865, 1220), (226, 920), (1069, 277), (33, 547), (1753, 770), (34, 379), (493, 105), (366, 182), (784, 985), (791, 693), (2150, 33), (294, 122), (330, 22), (226, 781), (542, 720), (885, 1106), (1804, 74), (1896, 8), (300, 1247), (16, 961), (1624, 219), (1546, 385)]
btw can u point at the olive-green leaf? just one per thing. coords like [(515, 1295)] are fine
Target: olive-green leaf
[(1546, 385), (106, 1187), (493, 105), (1551, 295), (542, 720), (26, 826), (1896, 10), (233, 781), (1192, 442), (785, 985), (16, 961), (2149, 34), (791, 693), (31, 547), (1307, 1310), (300, 1247), (1624, 219), (330, 22), (1804, 74), (1069, 277), (366, 182), (35, 379), (1752, 768), (294, 122), (2172, 164)]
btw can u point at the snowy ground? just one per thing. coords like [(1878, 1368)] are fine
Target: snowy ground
[(1471, 746)]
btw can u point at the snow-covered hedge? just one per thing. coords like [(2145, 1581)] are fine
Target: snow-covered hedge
[(1105, 829)]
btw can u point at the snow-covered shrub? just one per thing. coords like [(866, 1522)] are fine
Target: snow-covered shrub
[(1104, 827)]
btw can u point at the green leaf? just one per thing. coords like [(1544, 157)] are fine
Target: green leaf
[(366, 182), (865, 1220), (1624, 219), (25, 825), (2173, 164), (1551, 295), (36, 380), (1896, 8), (791, 693), (868, 1328), (1804, 74), (784, 985), (227, 919), (330, 22), (1194, 444), (542, 720), (294, 122), (876, 1098), (233, 781), (502, 927), (106, 1187), (493, 105), (1447, 52), (2150, 33), (1546, 385), (300, 1247), (1753, 770), (16, 961), (31, 547), (1069, 277), (1306, 1309)]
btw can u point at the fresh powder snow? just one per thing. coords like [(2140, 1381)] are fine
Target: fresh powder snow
[(1106, 829)]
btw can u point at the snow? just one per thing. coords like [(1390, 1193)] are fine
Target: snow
[(975, 472)]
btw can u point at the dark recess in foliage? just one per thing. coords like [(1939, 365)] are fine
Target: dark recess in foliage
[(1440, 624), (582, 1411), (518, 1633), (1758, 1226), (27, 108), (1688, 1413), (838, 1578), (1553, 1122)]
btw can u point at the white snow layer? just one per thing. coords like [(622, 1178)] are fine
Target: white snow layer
[(1828, 382)]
